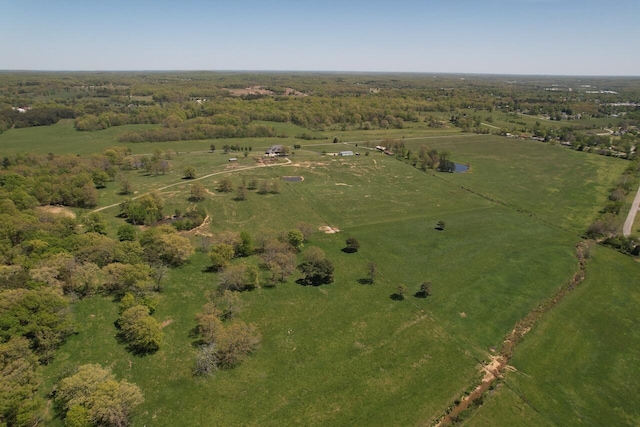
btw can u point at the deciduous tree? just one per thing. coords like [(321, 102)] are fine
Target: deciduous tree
[(20, 379), (317, 273), (225, 185), (220, 255), (352, 245), (372, 272), (295, 239), (198, 192), (401, 291), (425, 290), (142, 332), (93, 394), (189, 172)]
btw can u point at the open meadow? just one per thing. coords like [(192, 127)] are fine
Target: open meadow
[(349, 353)]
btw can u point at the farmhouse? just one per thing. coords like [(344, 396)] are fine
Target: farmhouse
[(275, 151)]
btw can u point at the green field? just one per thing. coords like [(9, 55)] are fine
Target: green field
[(579, 366), (346, 353)]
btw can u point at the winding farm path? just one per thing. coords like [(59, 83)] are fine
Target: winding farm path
[(628, 224), (198, 179)]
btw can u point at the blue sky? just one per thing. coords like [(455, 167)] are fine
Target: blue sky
[(564, 37)]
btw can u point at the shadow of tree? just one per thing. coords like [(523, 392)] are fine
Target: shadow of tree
[(348, 250), (396, 296)]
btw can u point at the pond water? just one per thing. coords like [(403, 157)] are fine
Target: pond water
[(460, 168), (292, 178)]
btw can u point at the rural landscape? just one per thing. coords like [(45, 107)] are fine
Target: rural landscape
[(318, 248)]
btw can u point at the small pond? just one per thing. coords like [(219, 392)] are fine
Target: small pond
[(293, 178), (460, 168)]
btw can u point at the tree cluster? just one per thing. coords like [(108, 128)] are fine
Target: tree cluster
[(224, 341), (188, 132), (93, 397)]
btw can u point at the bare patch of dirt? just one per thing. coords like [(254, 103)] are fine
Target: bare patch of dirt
[(463, 314), (251, 90), (329, 229), (166, 323), (201, 229), (260, 90), (493, 368), (342, 183), (57, 210), (292, 92), (310, 165)]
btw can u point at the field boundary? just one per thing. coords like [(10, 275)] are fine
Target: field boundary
[(499, 364)]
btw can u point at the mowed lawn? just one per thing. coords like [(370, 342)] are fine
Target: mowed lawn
[(579, 366), (347, 353)]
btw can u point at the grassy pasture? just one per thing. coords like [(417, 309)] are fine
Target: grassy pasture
[(347, 353), (579, 366), (62, 138), (552, 183)]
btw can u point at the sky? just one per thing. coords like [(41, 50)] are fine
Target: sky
[(531, 37)]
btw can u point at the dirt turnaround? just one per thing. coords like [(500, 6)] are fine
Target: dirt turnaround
[(499, 363)]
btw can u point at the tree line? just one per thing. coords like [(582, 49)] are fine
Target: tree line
[(48, 261)]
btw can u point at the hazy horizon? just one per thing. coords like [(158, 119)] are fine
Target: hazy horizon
[(494, 37), (354, 72)]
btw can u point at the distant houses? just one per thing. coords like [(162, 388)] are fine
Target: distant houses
[(276, 151)]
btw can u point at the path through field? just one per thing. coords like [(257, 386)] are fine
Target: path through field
[(491, 126), (198, 179), (628, 224)]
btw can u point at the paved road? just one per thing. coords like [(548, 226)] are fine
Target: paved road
[(628, 224), (183, 182)]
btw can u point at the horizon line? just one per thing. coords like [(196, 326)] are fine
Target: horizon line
[(442, 73)]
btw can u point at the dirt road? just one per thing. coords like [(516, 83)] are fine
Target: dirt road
[(182, 182), (628, 224)]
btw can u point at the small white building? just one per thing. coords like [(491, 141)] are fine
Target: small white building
[(346, 153)]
